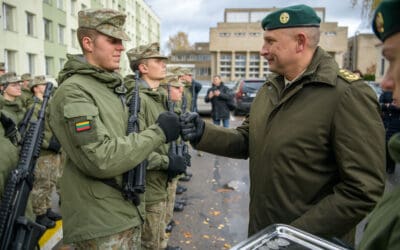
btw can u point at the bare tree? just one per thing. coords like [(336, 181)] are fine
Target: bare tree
[(180, 41), (368, 6)]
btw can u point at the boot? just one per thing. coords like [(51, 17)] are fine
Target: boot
[(181, 201), (185, 178), (170, 226), (45, 221), (180, 189), (173, 248), (53, 215), (178, 207)]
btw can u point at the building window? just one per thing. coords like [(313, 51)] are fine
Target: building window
[(47, 1), (62, 62), (49, 65), (254, 34), (225, 65), (254, 65), (240, 65), (74, 39), (224, 34), (73, 7), (47, 29), (9, 17), (61, 34), (83, 7), (60, 4), (30, 24), (31, 63), (330, 33), (10, 57), (240, 34)]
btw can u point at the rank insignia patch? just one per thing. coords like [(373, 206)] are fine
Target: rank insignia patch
[(82, 126)]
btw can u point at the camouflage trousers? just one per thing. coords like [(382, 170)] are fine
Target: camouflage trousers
[(171, 189), (47, 172), (126, 240), (153, 231)]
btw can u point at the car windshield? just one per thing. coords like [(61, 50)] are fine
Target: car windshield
[(252, 85), (204, 89)]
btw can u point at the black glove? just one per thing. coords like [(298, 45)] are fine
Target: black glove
[(10, 129), (192, 127), (176, 166), (169, 123), (54, 145), (187, 159)]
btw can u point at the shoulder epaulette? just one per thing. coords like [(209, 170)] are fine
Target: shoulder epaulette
[(348, 76)]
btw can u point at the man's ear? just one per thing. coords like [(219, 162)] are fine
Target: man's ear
[(87, 44), (301, 42), (143, 68)]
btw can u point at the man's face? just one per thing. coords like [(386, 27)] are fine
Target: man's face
[(13, 89), (391, 80), (278, 48), (106, 52), (176, 93), (2, 72), (154, 69), (216, 81), (39, 89)]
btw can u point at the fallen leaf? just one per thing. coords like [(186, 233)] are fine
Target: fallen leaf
[(215, 213), (227, 246), (205, 236), (187, 235), (224, 190), (220, 226)]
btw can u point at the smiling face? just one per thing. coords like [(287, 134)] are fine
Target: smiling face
[(391, 81), (103, 51)]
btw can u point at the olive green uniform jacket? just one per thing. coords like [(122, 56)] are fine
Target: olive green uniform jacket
[(90, 121), (152, 104), (383, 228), (13, 109), (26, 97), (316, 151)]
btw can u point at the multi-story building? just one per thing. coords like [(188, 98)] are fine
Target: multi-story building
[(199, 56), (235, 43), (37, 34), (362, 53)]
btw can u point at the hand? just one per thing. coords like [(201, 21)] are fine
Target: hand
[(217, 92), (10, 129), (192, 127), (176, 166), (211, 94), (54, 145), (169, 123), (188, 158)]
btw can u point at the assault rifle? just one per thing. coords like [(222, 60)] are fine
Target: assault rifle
[(183, 145), (134, 181), (27, 117), (16, 231)]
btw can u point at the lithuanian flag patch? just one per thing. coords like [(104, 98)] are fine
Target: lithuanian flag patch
[(82, 126)]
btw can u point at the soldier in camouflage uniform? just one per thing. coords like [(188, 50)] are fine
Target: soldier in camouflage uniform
[(26, 95), (162, 166), (2, 69), (48, 167), (10, 87), (89, 116)]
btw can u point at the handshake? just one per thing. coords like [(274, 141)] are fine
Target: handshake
[(189, 125)]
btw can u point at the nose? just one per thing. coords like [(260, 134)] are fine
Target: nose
[(264, 50)]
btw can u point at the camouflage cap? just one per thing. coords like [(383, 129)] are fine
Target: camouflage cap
[(186, 71), (145, 52), (9, 77), (292, 16), (171, 79), (26, 77), (107, 21), (385, 22), (2, 66), (38, 80)]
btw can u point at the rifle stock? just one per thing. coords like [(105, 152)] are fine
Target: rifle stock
[(16, 231)]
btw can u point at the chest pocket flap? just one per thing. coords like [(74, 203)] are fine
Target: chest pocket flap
[(81, 122)]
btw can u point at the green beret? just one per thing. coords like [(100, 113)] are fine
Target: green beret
[(385, 22), (290, 17), (107, 21), (145, 52)]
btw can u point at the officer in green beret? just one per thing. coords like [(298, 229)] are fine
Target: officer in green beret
[(383, 229), (89, 117), (314, 135), (151, 65)]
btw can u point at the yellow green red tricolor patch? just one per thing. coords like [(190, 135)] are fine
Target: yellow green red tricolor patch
[(82, 126)]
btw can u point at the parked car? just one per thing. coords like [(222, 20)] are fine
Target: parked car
[(203, 107), (245, 91), (376, 87)]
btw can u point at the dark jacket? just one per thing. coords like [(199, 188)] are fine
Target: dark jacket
[(390, 114), (316, 150), (195, 89), (219, 104)]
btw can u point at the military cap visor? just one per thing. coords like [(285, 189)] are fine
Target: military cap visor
[(291, 17), (385, 21), (106, 21)]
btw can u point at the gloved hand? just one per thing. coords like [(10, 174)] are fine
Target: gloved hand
[(192, 127), (187, 159), (176, 166), (54, 145), (169, 123), (10, 129)]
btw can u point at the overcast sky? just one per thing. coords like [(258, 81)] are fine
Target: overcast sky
[(196, 17)]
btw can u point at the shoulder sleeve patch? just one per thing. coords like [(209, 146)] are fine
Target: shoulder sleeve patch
[(348, 75)]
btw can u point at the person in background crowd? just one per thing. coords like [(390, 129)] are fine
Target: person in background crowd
[(383, 228), (391, 121), (314, 135), (26, 95), (161, 164), (219, 95), (89, 117), (10, 88), (48, 166), (2, 69)]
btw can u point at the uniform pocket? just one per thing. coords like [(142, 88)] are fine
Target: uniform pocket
[(81, 122)]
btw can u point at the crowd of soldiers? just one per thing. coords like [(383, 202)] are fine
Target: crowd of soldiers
[(322, 172)]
